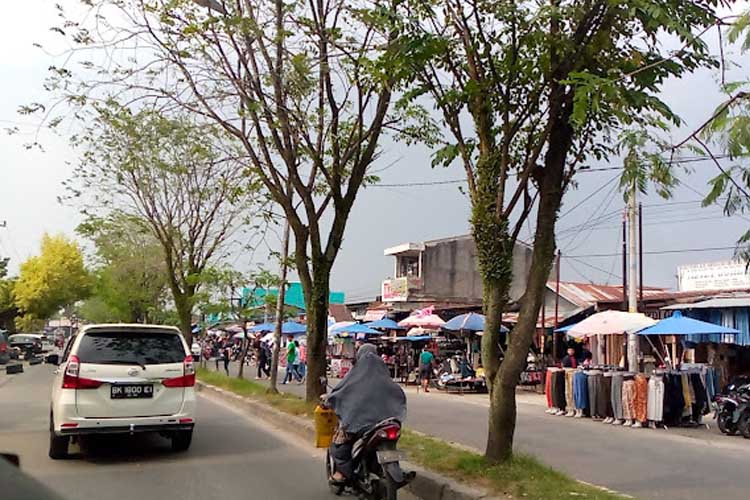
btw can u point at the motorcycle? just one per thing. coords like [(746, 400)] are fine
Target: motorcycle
[(377, 471), (733, 410)]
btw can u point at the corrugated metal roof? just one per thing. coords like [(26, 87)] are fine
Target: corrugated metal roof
[(717, 303), (587, 294)]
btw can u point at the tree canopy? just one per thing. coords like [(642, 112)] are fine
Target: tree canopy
[(53, 279)]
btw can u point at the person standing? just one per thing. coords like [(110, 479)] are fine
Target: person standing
[(291, 358), (302, 354), (426, 359), (263, 360), (227, 351)]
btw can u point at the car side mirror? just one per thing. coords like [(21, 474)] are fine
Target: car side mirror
[(53, 359)]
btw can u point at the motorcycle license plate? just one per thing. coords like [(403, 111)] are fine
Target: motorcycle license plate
[(389, 456)]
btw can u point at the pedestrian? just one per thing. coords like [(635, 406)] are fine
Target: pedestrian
[(263, 360), (297, 362), (302, 360), (291, 356), (215, 353), (227, 357), (426, 359)]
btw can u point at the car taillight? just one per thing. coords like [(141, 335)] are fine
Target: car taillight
[(71, 380), (188, 377), (3, 347), (391, 433)]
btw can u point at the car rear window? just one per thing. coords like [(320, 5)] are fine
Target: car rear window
[(146, 348)]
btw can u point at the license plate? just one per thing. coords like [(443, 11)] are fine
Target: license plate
[(132, 391), (389, 456)]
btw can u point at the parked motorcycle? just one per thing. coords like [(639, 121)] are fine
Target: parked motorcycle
[(377, 471), (733, 410)]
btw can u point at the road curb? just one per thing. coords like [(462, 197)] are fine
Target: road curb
[(427, 485)]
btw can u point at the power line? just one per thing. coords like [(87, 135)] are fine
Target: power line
[(590, 196), (609, 274), (581, 170), (654, 252)]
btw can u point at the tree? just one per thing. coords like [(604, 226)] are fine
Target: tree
[(546, 86), (305, 87), (52, 280), (131, 278), (166, 174)]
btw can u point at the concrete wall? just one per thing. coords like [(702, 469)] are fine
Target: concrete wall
[(450, 270)]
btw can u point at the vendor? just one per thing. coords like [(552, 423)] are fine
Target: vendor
[(570, 360)]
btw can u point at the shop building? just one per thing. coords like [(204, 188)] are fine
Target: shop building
[(444, 273)]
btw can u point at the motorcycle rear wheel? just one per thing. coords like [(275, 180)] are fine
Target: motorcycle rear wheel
[(744, 425), (725, 426)]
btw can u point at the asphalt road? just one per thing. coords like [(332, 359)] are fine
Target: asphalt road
[(231, 457), (674, 464)]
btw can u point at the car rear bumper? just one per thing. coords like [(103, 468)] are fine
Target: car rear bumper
[(125, 429)]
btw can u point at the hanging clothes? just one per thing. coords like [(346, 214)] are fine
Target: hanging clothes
[(640, 403), (617, 379), (674, 398), (595, 380), (655, 410), (628, 399), (548, 387), (581, 391), (606, 394), (569, 400)]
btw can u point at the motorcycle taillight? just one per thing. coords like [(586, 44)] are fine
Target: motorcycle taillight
[(390, 433)]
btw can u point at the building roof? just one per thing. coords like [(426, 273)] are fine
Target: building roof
[(588, 294), (339, 312), (716, 303)]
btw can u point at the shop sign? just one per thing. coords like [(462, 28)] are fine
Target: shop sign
[(395, 290), (374, 315), (728, 275)]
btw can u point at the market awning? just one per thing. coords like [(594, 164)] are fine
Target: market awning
[(610, 323)]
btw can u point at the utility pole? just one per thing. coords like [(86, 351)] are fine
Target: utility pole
[(279, 311), (632, 275)]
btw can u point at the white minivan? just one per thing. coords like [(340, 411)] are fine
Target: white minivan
[(123, 378)]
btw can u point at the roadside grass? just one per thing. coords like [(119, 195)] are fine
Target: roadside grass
[(287, 403), (523, 477)]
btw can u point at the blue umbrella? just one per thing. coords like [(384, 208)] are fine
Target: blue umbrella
[(263, 327), (678, 324), (287, 328), (356, 328), (293, 328), (385, 324), (471, 321)]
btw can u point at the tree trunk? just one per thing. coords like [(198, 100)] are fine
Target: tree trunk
[(245, 347), (184, 308), (502, 420), (279, 313), (317, 330)]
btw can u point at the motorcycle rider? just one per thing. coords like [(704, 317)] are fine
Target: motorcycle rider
[(364, 397)]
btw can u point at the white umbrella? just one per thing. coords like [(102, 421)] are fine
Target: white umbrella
[(611, 323)]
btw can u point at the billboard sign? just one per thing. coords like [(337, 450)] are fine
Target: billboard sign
[(395, 290), (727, 275)]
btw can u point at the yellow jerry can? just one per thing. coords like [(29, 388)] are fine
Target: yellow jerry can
[(325, 425)]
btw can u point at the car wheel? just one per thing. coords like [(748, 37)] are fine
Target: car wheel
[(181, 440), (58, 445)]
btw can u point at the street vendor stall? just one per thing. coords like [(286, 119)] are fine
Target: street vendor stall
[(343, 350)]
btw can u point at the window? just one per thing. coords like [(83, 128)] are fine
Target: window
[(408, 266), (120, 347), (66, 351)]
